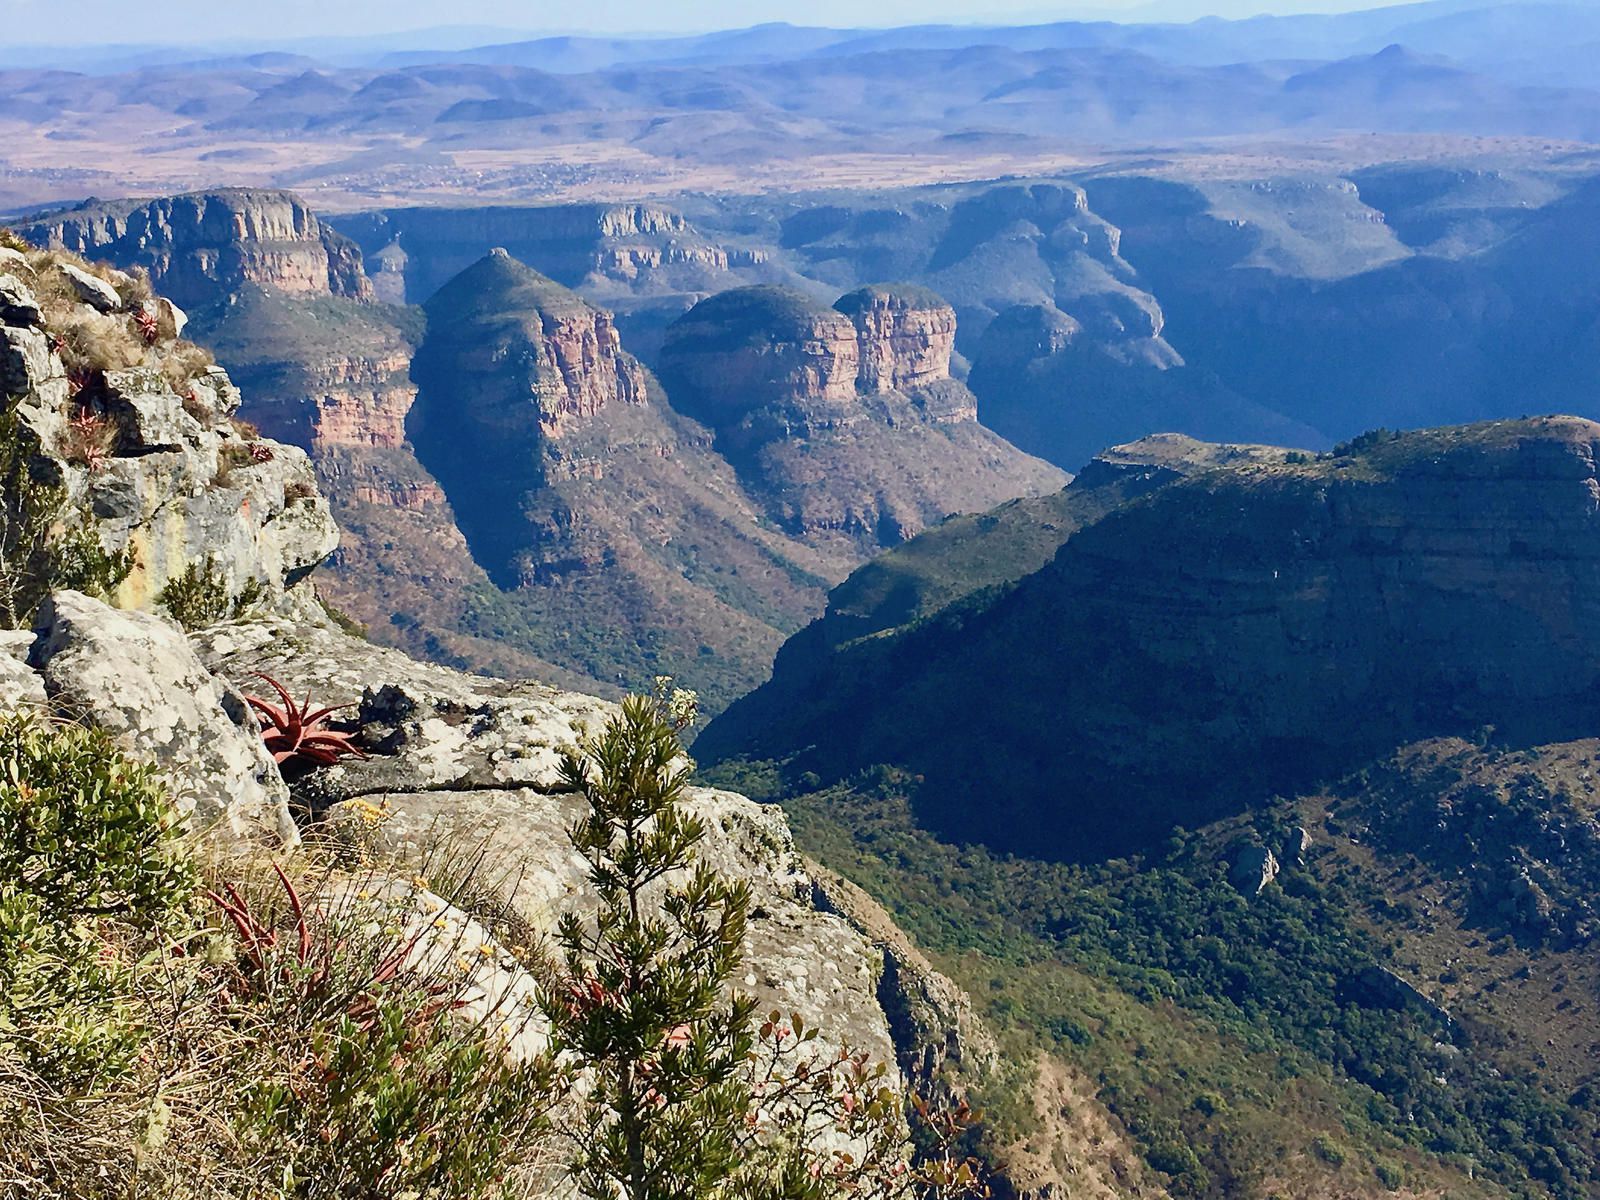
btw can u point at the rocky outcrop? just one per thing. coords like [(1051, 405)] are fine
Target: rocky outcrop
[(150, 460), (843, 422), (199, 245), (1053, 388), (541, 358), (904, 336), (1254, 869), (136, 677), (750, 348), (469, 766)]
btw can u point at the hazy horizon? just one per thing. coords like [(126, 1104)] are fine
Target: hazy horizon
[(92, 23)]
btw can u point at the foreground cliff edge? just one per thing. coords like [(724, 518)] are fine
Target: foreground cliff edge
[(193, 541)]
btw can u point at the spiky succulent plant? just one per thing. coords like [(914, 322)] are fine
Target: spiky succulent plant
[(297, 733)]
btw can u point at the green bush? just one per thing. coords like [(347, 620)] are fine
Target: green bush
[(199, 597), (89, 853)]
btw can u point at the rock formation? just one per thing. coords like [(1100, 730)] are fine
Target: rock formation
[(843, 422), (630, 247), (197, 246), (1051, 387), (1236, 632), (580, 492), (151, 452), (904, 337)]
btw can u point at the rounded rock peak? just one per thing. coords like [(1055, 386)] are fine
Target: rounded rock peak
[(499, 252), (902, 296)]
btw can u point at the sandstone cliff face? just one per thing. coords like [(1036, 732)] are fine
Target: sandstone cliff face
[(538, 351), (843, 422), (197, 245), (752, 347), (606, 248), (904, 337)]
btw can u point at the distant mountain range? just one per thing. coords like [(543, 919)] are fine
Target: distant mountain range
[(1537, 42)]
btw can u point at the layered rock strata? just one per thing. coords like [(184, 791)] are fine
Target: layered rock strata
[(843, 422), (199, 244)]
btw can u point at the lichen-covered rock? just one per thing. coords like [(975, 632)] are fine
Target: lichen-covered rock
[(20, 685), (471, 765), (137, 677), (18, 305), (174, 484)]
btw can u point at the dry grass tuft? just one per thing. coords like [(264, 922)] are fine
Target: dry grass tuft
[(182, 363)]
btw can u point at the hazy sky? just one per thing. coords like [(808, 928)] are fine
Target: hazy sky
[(66, 22)]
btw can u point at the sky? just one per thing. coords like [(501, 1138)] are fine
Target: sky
[(95, 22)]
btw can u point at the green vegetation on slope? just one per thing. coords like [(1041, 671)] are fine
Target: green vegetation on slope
[(1228, 1033)]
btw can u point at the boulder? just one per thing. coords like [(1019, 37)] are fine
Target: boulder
[(137, 677), (1254, 867), (168, 312), (18, 304), (91, 289), (149, 415), (20, 685), (1296, 846)]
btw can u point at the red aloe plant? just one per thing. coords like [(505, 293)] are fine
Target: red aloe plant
[(149, 326), (295, 731)]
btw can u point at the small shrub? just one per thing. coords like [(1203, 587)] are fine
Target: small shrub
[(1390, 1175), (298, 489), (79, 561), (1328, 1150), (342, 619), (232, 457), (1369, 440), (199, 597), (11, 241), (251, 594), (87, 837), (97, 342), (688, 1093), (43, 543)]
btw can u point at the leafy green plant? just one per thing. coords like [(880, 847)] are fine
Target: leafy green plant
[(369, 1082), (89, 844), (199, 597)]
